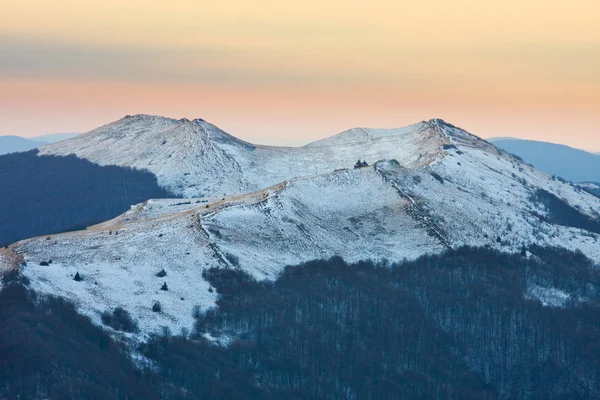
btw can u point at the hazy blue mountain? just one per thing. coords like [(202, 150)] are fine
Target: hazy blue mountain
[(555, 159), (55, 137), (13, 144), (495, 139)]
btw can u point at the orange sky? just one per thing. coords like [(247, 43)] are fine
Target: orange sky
[(291, 72)]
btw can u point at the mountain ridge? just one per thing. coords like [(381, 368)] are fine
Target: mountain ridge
[(556, 159), (16, 144), (443, 188), (197, 159)]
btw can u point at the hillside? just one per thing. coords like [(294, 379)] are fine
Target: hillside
[(447, 189), (591, 187), (188, 158), (471, 323), (566, 162), (197, 159)]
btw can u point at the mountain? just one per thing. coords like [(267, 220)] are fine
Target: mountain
[(190, 158), (430, 187), (498, 138), (591, 187), (466, 273), (14, 144), (555, 159), (196, 159), (55, 137)]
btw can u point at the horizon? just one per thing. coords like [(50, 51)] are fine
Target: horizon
[(493, 138), (270, 72), (269, 200)]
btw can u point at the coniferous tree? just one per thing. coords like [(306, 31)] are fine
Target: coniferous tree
[(162, 273)]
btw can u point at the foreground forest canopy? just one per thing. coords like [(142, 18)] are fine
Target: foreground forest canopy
[(472, 323), (51, 194)]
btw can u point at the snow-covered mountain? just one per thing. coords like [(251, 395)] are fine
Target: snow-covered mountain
[(196, 159), (430, 187)]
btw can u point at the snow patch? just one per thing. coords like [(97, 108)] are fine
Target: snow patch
[(548, 296)]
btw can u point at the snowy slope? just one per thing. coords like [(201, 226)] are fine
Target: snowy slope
[(261, 232), (443, 189), (196, 159), (361, 135), (188, 157)]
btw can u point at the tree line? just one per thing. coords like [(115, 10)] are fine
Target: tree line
[(460, 325)]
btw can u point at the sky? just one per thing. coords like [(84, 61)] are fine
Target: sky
[(287, 73)]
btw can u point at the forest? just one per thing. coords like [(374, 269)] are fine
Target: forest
[(562, 213), (472, 323), (593, 190), (50, 194)]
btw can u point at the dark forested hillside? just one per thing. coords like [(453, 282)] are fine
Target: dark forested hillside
[(50, 194), (48, 351), (453, 326), (468, 324), (594, 189), (561, 213)]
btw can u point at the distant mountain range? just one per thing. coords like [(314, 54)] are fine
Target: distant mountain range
[(14, 144), (55, 137), (555, 159)]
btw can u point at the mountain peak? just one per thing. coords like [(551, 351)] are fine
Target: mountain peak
[(440, 123), (361, 134), (156, 128), (197, 159), (418, 132), (436, 121), (150, 117), (143, 117)]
